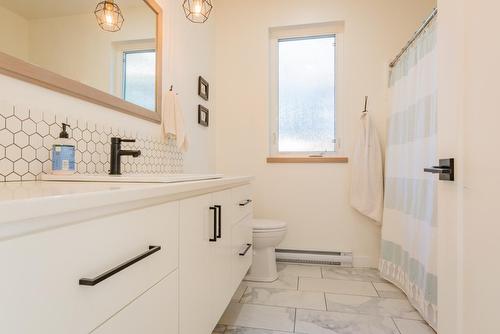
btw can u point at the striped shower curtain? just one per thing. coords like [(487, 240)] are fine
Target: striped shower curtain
[(409, 231)]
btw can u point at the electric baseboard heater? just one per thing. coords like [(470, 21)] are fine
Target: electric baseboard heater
[(314, 257)]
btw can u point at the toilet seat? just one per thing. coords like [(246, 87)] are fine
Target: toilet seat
[(269, 230), (263, 225)]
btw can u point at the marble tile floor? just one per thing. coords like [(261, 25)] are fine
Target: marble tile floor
[(321, 300)]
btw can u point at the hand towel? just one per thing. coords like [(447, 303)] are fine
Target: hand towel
[(367, 184), (172, 121)]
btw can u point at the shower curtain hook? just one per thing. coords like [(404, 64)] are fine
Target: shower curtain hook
[(366, 103)]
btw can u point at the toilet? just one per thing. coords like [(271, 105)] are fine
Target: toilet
[(267, 234)]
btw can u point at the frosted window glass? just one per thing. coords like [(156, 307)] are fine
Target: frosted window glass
[(139, 78), (306, 94)]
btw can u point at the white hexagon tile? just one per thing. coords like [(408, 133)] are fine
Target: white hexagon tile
[(27, 135)]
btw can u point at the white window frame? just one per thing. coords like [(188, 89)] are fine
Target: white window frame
[(304, 31), (120, 48)]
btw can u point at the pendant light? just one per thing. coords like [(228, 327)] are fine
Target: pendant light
[(109, 16), (197, 11)]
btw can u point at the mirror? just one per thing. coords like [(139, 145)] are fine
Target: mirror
[(50, 41)]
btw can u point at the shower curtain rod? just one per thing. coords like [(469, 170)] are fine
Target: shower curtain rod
[(415, 36)]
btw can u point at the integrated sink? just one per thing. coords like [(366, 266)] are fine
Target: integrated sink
[(131, 178)]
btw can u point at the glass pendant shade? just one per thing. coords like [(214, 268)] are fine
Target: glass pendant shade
[(197, 11), (109, 16)]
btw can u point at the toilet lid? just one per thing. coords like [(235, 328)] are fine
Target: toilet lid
[(268, 224)]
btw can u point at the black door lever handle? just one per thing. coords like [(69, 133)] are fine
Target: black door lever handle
[(437, 170), (446, 169)]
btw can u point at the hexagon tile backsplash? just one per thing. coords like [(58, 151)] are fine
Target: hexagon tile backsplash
[(27, 135)]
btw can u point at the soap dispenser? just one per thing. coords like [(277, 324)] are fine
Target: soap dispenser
[(63, 153)]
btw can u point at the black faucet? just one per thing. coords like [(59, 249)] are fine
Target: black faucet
[(117, 152)]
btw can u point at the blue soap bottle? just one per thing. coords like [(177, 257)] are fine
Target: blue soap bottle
[(63, 154)]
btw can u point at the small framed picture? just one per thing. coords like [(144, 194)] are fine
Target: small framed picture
[(203, 115), (203, 88)]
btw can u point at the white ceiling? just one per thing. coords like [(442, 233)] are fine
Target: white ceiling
[(37, 9)]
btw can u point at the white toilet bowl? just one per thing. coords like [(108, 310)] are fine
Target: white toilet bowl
[(267, 234)]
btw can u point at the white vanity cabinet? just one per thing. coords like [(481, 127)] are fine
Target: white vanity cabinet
[(41, 272), (212, 236), (141, 259), (155, 312), (243, 247)]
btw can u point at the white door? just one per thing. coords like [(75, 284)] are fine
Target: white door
[(469, 118)]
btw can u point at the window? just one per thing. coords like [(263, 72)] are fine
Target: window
[(303, 108), (139, 78)]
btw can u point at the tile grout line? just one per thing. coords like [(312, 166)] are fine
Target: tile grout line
[(332, 311), (242, 295), (378, 294), (282, 306), (396, 325), (295, 321), (258, 328), (326, 303)]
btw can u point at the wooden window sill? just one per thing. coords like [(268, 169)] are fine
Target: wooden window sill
[(307, 160)]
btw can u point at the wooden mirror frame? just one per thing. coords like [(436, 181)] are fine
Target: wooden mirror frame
[(22, 70)]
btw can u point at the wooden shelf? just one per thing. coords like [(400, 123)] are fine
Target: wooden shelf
[(307, 160)]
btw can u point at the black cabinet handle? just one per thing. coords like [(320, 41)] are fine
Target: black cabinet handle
[(246, 250), (245, 203), (214, 239), (219, 218), (111, 272)]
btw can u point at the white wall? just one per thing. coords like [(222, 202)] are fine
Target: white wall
[(90, 57), (13, 41), (313, 199), (189, 53)]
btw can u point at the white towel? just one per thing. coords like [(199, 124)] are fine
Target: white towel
[(367, 184), (172, 121)]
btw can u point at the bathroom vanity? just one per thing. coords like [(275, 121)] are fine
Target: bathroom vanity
[(101, 257)]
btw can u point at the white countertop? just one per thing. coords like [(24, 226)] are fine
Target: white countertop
[(25, 201), (131, 178)]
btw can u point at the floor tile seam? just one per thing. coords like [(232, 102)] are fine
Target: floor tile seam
[(266, 329), (346, 294), (396, 325), (282, 306), (243, 294), (376, 290), (295, 320), (363, 314), (345, 280), (378, 297)]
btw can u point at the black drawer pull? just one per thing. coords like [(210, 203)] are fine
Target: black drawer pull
[(214, 239), (246, 250), (245, 203), (219, 217), (111, 272)]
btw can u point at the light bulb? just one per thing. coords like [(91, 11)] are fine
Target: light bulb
[(108, 14), (197, 7), (109, 19)]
